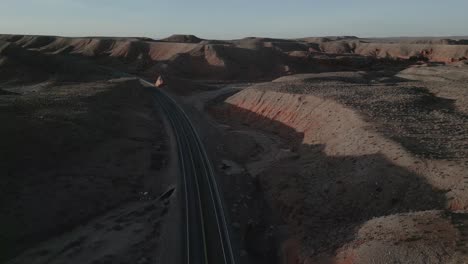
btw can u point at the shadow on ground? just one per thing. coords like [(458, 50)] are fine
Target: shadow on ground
[(324, 199)]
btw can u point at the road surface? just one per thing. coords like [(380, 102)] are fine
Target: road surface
[(205, 229)]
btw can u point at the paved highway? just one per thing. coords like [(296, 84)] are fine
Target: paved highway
[(206, 235)]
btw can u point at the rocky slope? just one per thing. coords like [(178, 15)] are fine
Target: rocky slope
[(77, 143), (21, 65), (245, 59), (72, 152), (381, 166)]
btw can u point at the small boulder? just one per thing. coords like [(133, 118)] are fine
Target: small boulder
[(160, 82)]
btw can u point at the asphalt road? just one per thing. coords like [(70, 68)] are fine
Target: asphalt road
[(206, 233)]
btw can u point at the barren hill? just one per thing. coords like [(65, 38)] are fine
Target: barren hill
[(379, 167), (183, 39), (245, 59)]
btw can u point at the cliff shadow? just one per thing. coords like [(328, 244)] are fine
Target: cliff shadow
[(324, 199)]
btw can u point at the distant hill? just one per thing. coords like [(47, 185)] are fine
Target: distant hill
[(183, 39)]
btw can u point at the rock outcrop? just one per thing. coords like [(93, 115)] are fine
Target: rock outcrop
[(354, 171)]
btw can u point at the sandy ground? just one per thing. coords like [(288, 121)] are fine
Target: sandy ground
[(85, 166), (129, 234)]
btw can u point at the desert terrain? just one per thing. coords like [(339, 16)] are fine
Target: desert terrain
[(326, 149)]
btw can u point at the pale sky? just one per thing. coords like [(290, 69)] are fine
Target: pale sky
[(228, 19)]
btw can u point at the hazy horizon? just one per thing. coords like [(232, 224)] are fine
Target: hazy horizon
[(212, 19), (241, 37)]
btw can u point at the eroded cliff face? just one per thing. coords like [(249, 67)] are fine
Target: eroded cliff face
[(348, 173), (244, 59), (425, 51)]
